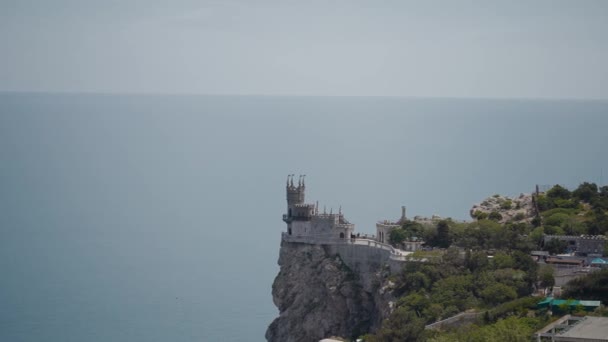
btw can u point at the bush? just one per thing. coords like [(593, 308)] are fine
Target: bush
[(519, 217), (498, 293), (566, 211), (506, 205), (397, 236), (585, 192), (566, 203), (556, 220), (558, 191), (517, 306), (479, 215), (592, 286), (495, 216), (556, 246), (544, 203)]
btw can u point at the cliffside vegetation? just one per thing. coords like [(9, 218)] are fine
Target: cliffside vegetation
[(485, 266)]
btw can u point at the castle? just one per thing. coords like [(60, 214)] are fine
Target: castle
[(305, 220), (362, 253), (305, 224)]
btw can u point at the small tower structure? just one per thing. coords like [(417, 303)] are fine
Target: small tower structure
[(384, 228), (297, 210)]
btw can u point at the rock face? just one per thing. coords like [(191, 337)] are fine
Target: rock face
[(319, 296), (510, 209)]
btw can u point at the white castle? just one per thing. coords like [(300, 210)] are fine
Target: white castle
[(305, 224), (305, 220)]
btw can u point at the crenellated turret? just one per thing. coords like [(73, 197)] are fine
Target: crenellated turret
[(296, 208), (295, 195)]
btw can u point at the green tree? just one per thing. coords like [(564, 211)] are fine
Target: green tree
[(413, 228), (558, 191), (546, 276), (592, 286), (397, 236), (476, 261), (556, 246), (402, 325), (586, 192), (443, 234), (502, 260), (498, 293), (525, 263), (557, 219)]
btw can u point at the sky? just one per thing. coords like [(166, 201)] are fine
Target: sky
[(504, 49)]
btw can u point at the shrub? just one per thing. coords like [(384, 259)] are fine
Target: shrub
[(519, 217), (397, 236), (553, 230), (556, 219), (480, 215), (586, 192), (566, 203), (558, 191), (498, 293), (495, 216), (506, 205), (555, 246)]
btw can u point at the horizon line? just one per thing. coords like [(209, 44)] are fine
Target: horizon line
[(135, 93)]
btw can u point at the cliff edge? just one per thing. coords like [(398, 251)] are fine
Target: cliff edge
[(319, 296)]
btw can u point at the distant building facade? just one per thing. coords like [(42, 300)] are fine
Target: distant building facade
[(385, 227), (584, 244)]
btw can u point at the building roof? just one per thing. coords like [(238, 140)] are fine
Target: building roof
[(572, 302), (564, 261), (590, 302), (599, 261), (564, 301), (590, 328)]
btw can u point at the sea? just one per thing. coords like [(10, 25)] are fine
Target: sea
[(158, 217)]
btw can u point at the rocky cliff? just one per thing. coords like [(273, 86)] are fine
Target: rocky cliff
[(319, 295)]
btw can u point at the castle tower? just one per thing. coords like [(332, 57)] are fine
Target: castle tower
[(295, 197)]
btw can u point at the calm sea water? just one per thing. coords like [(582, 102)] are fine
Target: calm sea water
[(157, 218)]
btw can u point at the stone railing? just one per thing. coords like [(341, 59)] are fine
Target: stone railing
[(345, 226), (311, 239), (394, 253), (455, 321)]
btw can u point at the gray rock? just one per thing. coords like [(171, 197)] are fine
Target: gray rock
[(319, 296)]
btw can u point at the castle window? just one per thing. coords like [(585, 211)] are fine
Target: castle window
[(341, 235)]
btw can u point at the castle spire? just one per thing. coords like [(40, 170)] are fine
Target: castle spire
[(303, 185), (340, 211), (300, 181), (291, 182), (288, 180)]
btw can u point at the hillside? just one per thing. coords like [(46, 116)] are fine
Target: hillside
[(484, 266)]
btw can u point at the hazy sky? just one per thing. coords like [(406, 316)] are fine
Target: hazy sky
[(555, 49)]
